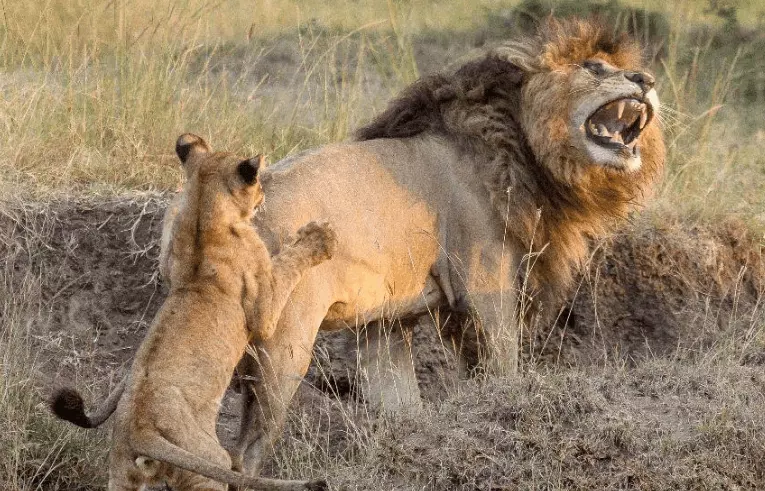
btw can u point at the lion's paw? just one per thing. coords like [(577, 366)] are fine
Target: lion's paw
[(319, 238)]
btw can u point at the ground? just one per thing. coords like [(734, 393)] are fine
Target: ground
[(651, 377)]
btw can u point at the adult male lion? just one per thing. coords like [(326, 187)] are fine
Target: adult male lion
[(467, 186), (225, 291)]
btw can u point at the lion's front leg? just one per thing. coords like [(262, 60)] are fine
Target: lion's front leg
[(487, 294), (492, 315)]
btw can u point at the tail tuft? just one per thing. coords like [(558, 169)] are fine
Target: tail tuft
[(317, 485), (68, 405)]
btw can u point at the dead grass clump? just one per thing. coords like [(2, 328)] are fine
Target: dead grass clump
[(666, 332), (661, 425)]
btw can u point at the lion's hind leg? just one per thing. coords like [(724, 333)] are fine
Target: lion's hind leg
[(387, 368), (487, 293), (275, 372)]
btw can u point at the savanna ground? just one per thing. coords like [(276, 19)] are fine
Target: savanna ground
[(652, 376)]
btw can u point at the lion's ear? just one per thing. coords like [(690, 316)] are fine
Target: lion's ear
[(248, 169), (188, 145)]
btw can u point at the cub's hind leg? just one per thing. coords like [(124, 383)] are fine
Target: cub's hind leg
[(272, 377)]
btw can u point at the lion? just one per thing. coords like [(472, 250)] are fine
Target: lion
[(225, 291), (472, 189)]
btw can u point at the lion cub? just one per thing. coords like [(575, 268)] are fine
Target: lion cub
[(225, 290)]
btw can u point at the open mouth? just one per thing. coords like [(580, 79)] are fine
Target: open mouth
[(617, 125)]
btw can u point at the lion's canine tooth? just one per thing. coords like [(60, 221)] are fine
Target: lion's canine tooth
[(620, 109), (643, 118), (603, 131), (593, 129)]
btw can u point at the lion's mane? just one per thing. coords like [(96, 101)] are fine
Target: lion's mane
[(551, 203)]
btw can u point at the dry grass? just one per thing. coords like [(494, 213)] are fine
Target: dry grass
[(94, 93), (659, 426), (650, 403), (35, 448)]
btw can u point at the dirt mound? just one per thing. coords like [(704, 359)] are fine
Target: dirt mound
[(96, 262), (657, 288), (660, 287), (664, 334)]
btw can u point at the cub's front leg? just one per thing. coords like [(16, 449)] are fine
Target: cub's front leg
[(315, 243)]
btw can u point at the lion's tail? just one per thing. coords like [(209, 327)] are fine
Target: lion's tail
[(161, 449), (68, 405)]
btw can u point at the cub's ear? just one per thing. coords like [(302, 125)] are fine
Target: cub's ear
[(189, 144), (248, 169)]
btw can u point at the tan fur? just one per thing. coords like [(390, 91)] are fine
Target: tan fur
[(469, 185), (225, 290), (511, 110)]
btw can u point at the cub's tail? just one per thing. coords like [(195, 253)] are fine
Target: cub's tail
[(67, 404), (159, 449)]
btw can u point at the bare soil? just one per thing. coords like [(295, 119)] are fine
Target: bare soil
[(650, 377)]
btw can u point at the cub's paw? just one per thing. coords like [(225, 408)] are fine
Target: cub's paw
[(319, 239)]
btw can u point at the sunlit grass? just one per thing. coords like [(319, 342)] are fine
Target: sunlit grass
[(94, 93)]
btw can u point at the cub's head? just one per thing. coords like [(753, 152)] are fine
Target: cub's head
[(587, 100), (221, 187)]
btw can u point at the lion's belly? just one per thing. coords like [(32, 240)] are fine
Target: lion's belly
[(393, 278), (375, 305)]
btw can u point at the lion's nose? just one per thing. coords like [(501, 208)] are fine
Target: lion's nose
[(643, 79)]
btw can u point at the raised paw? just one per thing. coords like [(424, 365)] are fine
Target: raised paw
[(319, 238)]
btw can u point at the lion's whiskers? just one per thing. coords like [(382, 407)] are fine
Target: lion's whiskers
[(674, 120)]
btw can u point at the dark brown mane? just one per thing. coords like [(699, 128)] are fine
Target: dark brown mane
[(418, 108)]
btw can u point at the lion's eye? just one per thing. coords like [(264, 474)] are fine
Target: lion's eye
[(595, 67)]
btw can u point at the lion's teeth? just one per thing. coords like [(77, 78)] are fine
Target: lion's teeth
[(593, 128), (603, 131), (643, 118), (620, 109)]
